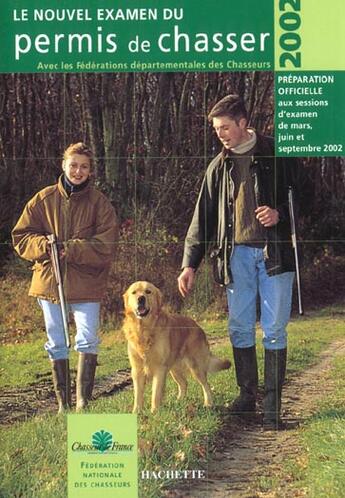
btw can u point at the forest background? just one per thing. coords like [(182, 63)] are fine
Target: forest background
[(152, 143)]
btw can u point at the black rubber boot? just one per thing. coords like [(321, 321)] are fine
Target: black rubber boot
[(247, 379), (62, 384), (274, 375), (85, 379)]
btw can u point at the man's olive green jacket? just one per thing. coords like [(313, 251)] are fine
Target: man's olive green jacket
[(212, 225)]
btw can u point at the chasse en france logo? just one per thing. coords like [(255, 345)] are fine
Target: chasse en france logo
[(102, 442)]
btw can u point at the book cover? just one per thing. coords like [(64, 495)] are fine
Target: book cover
[(136, 83)]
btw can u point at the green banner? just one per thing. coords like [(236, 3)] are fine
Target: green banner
[(309, 110), (87, 35), (102, 456), (288, 36), (309, 35)]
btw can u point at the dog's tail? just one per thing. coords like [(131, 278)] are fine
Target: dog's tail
[(216, 364)]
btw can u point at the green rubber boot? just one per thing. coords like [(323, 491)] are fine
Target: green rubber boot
[(274, 375), (247, 379), (85, 379), (62, 384)]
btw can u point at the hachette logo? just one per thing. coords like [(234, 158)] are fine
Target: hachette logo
[(102, 442)]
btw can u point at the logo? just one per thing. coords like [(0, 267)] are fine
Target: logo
[(102, 440), (102, 455)]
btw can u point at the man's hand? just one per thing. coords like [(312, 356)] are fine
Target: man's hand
[(267, 216), (186, 280)]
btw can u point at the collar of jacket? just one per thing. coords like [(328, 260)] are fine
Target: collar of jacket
[(73, 194), (264, 147)]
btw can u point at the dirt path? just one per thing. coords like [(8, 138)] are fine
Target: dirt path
[(19, 404), (246, 453)]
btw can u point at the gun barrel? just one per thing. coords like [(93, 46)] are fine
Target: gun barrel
[(59, 282), (295, 249)]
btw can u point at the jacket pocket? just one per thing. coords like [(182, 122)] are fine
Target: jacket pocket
[(217, 260), (43, 280), (87, 270)]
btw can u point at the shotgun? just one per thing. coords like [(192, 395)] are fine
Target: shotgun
[(58, 277), (295, 248)]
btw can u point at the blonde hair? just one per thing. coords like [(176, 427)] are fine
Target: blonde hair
[(78, 148)]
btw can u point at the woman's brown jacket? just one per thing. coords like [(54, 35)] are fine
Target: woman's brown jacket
[(86, 224)]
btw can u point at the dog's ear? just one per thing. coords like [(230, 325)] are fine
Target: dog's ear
[(125, 300), (159, 298)]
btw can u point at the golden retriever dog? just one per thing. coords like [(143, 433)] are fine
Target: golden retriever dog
[(159, 342)]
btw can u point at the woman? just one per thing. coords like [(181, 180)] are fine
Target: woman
[(85, 225)]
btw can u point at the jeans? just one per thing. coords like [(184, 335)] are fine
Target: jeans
[(250, 278), (86, 317)]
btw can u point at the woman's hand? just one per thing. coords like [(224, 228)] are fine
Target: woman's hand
[(60, 248)]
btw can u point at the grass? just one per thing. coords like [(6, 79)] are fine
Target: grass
[(34, 464), (180, 436), (20, 370), (320, 470)]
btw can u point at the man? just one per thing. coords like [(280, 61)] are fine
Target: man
[(243, 209)]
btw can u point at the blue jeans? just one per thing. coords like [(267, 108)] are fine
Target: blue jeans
[(86, 317), (250, 278)]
